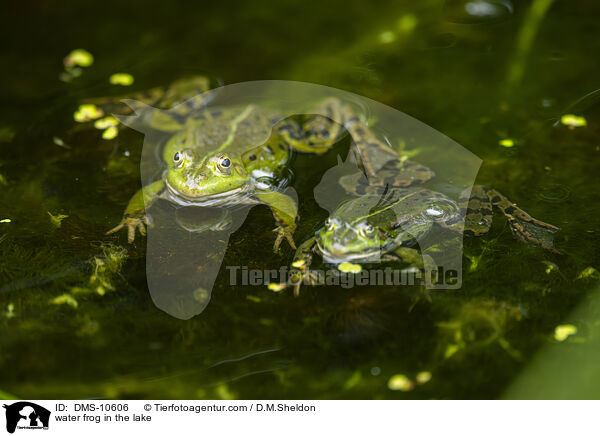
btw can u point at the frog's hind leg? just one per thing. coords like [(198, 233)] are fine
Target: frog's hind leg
[(330, 117), (478, 218), (164, 108), (523, 225)]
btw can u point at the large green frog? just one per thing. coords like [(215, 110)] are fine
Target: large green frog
[(218, 156)]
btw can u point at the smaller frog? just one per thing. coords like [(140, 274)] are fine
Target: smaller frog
[(387, 225)]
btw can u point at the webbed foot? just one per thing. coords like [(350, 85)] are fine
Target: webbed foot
[(305, 275), (286, 232), (132, 223)]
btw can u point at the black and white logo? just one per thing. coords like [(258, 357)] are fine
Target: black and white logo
[(26, 415)]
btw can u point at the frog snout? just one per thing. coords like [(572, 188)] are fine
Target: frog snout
[(197, 174), (341, 243)]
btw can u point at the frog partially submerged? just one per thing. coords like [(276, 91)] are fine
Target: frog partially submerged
[(217, 157), (387, 223)]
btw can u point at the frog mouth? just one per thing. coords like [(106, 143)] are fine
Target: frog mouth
[(226, 198), (364, 256)]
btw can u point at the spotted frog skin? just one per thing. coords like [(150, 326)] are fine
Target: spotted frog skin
[(220, 158), (385, 225)]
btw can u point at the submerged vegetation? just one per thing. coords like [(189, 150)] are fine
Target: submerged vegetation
[(516, 86)]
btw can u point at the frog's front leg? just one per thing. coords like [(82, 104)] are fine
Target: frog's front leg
[(285, 213), (134, 216)]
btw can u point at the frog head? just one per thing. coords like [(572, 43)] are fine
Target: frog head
[(340, 240), (212, 176)]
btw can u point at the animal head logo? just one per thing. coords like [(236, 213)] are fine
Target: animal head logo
[(26, 415)]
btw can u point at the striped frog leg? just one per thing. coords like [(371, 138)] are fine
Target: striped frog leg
[(478, 218), (382, 165), (176, 101)]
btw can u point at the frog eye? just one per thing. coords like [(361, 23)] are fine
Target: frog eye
[(329, 224), (368, 231), (224, 164), (178, 159)]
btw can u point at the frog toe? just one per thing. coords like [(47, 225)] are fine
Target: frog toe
[(283, 232), (131, 224)]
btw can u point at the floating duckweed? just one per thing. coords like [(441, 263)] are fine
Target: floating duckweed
[(106, 122), (79, 57), (590, 271), (572, 121), (65, 299), (276, 287), (56, 220), (123, 79), (110, 133), (507, 142), (400, 382), (563, 331), (348, 267), (387, 37), (550, 266), (423, 377), (5, 220), (298, 263), (87, 112), (10, 311)]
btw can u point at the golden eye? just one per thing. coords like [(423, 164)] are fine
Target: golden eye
[(368, 231), (178, 159), (329, 224)]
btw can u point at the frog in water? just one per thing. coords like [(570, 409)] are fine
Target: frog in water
[(218, 157), (386, 224)]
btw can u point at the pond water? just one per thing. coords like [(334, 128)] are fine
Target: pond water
[(497, 77)]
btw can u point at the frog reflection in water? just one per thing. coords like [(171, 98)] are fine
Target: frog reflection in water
[(218, 157), (386, 223)]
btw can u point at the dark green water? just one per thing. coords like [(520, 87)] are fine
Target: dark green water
[(477, 82)]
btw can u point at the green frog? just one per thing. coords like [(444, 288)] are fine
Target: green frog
[(218, 156), (385, 224)]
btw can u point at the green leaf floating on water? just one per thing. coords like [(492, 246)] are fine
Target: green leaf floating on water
[(122, 79), (79, 57), (563, 331), (572, 121)]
